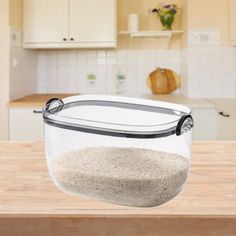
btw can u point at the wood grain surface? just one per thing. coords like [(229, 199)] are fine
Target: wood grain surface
[(206, 206), (35, 100)]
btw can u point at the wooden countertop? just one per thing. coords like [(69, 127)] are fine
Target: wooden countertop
[(210, 190), (30, 204), (39, 100), (181, 99), (36, 100)]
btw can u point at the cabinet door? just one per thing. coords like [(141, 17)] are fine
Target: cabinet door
[(205, 124), (233, 21), (26, 124), (227, 127), (45, 21), (93, 22)]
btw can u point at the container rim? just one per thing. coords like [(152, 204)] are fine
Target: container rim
[(52, 116)]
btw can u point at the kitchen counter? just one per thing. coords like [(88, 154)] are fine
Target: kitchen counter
[(227, 105), (30, 204), (181, 99), (39, 100), (35, 100)]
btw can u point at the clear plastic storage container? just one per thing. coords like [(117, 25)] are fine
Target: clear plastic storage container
[(121, 150)]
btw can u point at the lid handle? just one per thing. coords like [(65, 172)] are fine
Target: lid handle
[(54, 105), (184, 125)]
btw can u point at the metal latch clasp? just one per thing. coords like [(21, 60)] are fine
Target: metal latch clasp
[(184, 125), (54, 105)]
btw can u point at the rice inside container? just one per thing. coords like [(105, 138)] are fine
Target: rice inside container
[(89, 139)]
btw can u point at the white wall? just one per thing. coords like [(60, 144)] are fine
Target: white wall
[(67, 70), (4, 68), (18, 67), (208, 68), (23, 72)]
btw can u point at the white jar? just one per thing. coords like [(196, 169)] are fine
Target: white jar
[(133, 22)]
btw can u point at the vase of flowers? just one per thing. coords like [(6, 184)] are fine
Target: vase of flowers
[(166, 13)]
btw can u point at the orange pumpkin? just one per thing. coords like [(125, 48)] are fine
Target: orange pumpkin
[(163, 81)]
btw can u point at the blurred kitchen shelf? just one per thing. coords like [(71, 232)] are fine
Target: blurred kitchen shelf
[(151, 34)]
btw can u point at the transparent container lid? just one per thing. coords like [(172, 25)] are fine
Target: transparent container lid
[(118, 116)]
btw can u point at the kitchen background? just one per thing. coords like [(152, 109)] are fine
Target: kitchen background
[(203, 54)]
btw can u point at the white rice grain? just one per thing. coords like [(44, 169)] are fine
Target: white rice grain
[(125, 176)]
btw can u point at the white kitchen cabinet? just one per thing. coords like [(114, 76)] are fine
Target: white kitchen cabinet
[(45, 21), (26, 124), (214, 124), (69, 23), (226, 126), (232, 8), (205, 123), (92, 21)]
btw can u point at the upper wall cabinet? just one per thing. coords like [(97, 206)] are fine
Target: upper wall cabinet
[(69, 23), (233, 22), (92, 21), (45, 22)]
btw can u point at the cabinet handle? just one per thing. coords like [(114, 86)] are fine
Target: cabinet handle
[(37, 111), (223, 114), (72, 39), (64, 39)]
